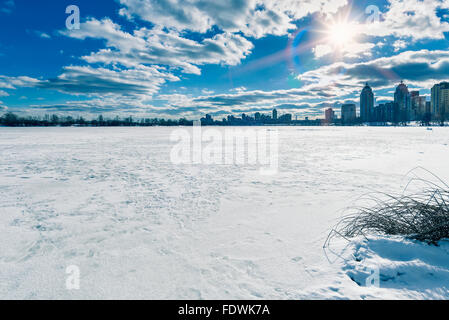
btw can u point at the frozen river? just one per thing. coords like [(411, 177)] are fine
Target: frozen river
[(110, 202)]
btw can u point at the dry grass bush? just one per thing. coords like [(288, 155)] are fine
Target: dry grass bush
[(422, 215)]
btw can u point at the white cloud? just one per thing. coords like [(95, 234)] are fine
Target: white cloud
[(162, 47), (15, 82), (255, 18), (415, 19), (399, 44), (322, 50), (207, 91), (401, 22), (239, 89), (43, 35), (351, 50), (293, 101), (139, 81), (419, 68)]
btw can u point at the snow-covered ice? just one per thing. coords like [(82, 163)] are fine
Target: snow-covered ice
[(406, 268), (109, 201)]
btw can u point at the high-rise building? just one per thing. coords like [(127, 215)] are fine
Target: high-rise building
[(391, 112), (380, 113), (275, 114), (285, 118), (422, 107), (329, 115), (208, 120), (348, 113), (440, 101), (418, 106), (366, 103), (386, 112), (414, 105), (427, 116), (429, 107), (403, 100)]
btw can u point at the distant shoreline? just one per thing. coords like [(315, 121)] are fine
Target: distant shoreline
[(12, 120), (240, 125)]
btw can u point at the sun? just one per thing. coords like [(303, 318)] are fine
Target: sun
[(341, 34)]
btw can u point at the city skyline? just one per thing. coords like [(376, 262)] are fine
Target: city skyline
[(405, 106), (226, 58)]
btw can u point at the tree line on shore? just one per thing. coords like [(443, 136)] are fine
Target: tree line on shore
[(12, 120)]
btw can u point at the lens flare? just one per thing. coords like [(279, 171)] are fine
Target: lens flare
[(341, 34)]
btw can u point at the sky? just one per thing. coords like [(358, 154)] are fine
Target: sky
[(187, 58)]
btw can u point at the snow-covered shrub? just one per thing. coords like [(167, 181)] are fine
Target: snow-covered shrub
[(421, 216)]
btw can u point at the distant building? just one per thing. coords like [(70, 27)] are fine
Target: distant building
[(231, 118), (285, 118), (366, 103), (414, 105), (428, 108), (421, 107), (380, 113), (440, 101), (275, 114), (418, 106), (329, 115), (348, 113), (386, 112), (403, 99), (391, 112), (208, 120)]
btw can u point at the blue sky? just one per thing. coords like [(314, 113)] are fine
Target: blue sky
[(185, 58)]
